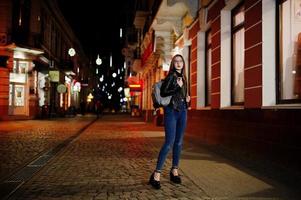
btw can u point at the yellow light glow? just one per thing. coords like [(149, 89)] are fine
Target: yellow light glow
[(135, 86)]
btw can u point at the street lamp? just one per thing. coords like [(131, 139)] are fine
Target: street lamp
[(71, 52), (101, 78), (98, 60)]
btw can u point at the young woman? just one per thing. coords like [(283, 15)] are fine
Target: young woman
[(175, 117)]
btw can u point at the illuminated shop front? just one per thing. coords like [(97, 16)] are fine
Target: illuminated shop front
[(18, 88), (75, 93), (67, 95), (23, 83)]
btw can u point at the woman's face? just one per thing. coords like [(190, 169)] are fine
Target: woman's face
[(178, 63)]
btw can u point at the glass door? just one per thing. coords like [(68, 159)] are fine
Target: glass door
[(18, 92)]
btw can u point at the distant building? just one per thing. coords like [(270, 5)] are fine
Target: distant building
[(34, 60)]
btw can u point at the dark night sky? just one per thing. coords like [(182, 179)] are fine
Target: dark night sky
[(96, 23)]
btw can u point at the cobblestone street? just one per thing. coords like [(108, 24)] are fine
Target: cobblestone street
[(21, 141), (110, 160), (113, 158)]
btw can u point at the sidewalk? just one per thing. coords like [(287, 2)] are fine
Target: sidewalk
[(221, 178)]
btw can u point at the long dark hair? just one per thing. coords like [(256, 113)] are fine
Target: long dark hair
[(172, 68)]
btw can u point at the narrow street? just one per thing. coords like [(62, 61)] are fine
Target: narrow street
[(113, 157)]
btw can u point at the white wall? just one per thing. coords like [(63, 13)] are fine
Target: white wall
[(201, 69), (225, 58), (268, 53)]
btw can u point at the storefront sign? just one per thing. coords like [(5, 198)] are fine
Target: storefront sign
[(54, 76), (61, 88)]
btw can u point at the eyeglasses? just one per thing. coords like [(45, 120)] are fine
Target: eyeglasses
[(178, 61)]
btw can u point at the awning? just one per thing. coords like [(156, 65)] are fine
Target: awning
[(24, 49)]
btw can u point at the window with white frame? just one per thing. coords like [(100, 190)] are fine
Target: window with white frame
[(208, 69), (238, 54), (289, 51)]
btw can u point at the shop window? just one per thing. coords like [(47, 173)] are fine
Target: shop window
[(208, 69), (289, 51), (20, 67), (18, 80), (19, 95), (238, 54)]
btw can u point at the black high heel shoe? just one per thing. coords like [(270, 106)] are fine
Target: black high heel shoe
[(175, 179), (153, 182)]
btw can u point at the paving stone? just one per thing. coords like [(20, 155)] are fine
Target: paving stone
[(110, 160), (21, 141)]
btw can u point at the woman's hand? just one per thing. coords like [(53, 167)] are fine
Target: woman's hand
[(180, 81), (187, 99)]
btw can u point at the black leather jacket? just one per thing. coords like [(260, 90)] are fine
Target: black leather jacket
[(170, 87)]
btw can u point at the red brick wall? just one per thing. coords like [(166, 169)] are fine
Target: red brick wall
[(253, 54), (4, 84), (215, 17), (5, 23), (4, 90), (194, 29)]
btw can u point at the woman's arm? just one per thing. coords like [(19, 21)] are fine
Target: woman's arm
[(169, 86)]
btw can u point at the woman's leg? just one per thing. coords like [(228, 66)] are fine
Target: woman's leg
[(180, 129), (170, 132)]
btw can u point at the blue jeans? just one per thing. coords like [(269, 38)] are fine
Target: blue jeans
[(175, 124)]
